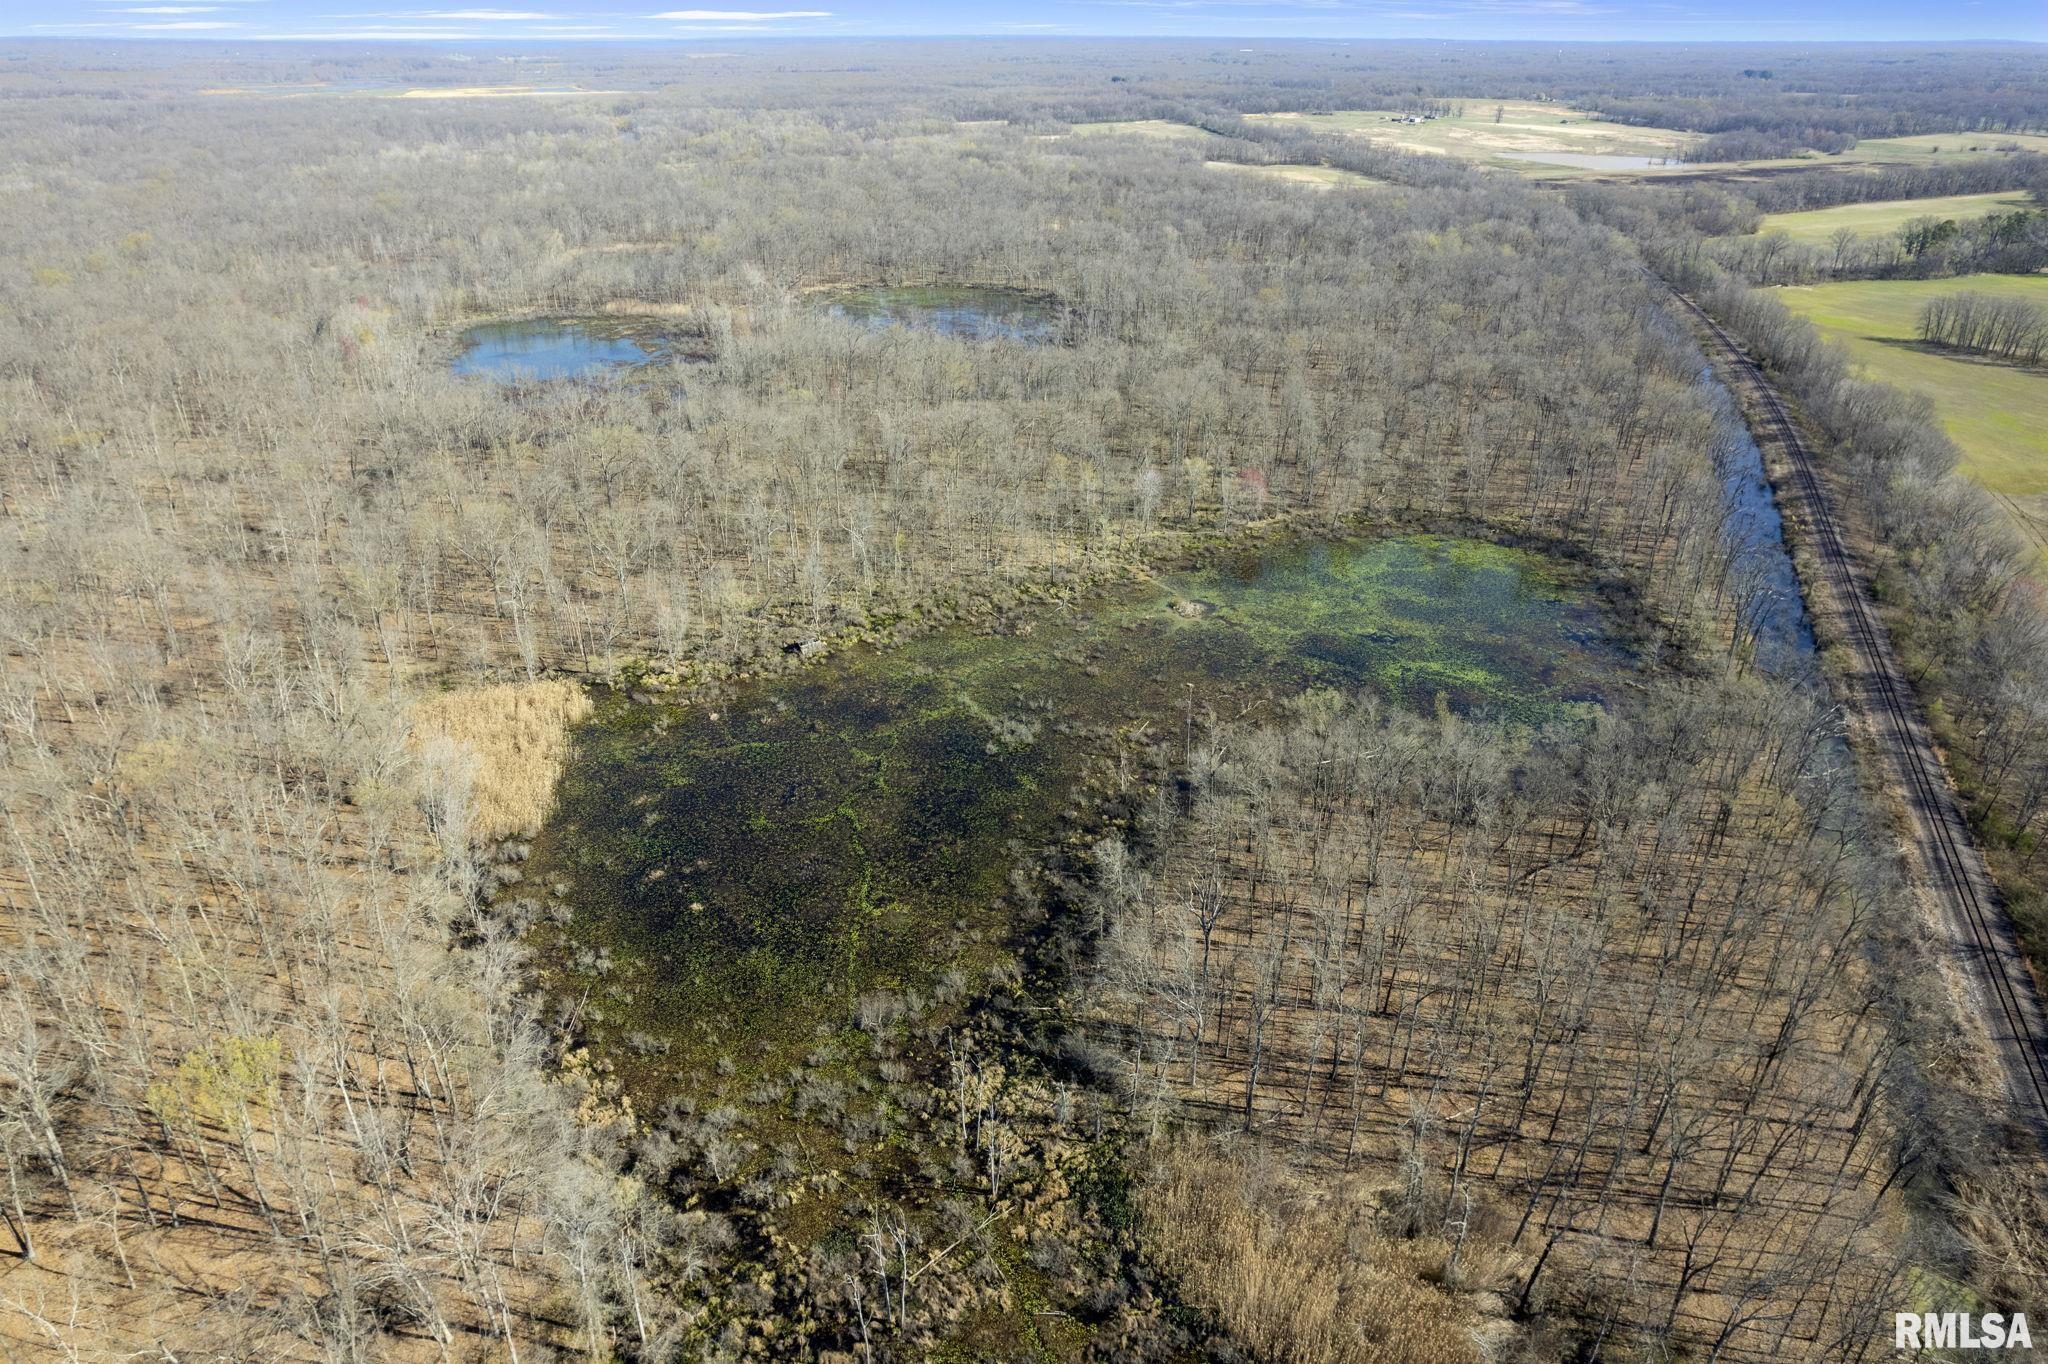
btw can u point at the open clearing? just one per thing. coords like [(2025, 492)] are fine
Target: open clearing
[(1996, 413), (1587, 145), (1888, 215), (1145, 127), (1919, 149), (1922, 145), (1315, 177), (1525, 128)]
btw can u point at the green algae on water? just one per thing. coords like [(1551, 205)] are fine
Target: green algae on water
[(1491, 630), (969, 312), (753, 867)]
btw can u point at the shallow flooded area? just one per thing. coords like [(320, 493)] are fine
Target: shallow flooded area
[(969, 313), (540, 350), (1771, 606), (750, 868)]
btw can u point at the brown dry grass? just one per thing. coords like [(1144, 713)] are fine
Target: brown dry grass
[(516, 734), (1298, 1273)]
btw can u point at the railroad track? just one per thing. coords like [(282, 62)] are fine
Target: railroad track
[(1987, 945)]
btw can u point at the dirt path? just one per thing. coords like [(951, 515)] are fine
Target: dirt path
[(1946, 866)]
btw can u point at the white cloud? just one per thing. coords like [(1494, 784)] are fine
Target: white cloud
[(488, 15), (167, 9), (185, 23), (742, 15), (366, 35)]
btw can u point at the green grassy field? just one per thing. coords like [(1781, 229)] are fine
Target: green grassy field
[(1997, 414), (1887, 216), (1315, 177), (1924, 145)]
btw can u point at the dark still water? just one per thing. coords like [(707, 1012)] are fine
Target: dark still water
[(749, 868)]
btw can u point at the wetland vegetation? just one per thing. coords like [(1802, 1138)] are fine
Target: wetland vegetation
[(757, 862), (966, 312), (1131, 733)]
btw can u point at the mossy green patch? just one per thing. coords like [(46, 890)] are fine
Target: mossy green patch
[(968, 311), (1487, 629), (752, 868)]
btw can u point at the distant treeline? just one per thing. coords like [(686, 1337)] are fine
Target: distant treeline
[(1762, 144), (1764, 99), (2010, 328), (1965, 175), (2014, 242), (1729, 214), (1826, 100)]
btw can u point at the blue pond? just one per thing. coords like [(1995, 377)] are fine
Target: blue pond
[(549, 348)]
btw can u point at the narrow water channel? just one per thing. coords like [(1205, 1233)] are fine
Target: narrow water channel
[(1773, 607)]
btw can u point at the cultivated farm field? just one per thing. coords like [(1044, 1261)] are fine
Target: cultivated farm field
[(1897, 149), (1887, 215), (1550, 141), (1996, 413)]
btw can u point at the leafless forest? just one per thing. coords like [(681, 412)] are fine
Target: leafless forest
[(1348, 1033)]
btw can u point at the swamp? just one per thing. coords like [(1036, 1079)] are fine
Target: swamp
[(748, 867)]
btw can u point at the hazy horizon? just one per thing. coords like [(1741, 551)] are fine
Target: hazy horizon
[(558, 21)]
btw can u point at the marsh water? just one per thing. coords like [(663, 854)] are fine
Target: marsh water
[(751, 867), (970, 313), (539, 350), (1773, 607)]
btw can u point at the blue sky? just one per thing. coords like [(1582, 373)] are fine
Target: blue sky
[(545, 22)]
